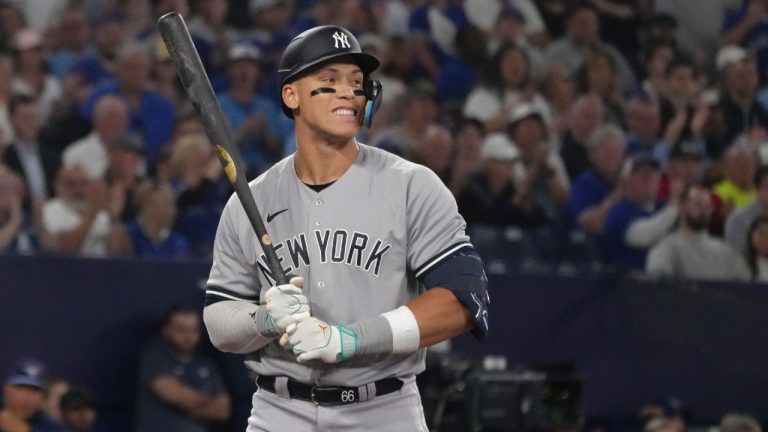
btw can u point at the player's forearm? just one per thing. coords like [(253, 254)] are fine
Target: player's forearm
[(231, 327), (440, 316)]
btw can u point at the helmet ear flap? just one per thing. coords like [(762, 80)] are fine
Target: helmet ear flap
[(373, 95)]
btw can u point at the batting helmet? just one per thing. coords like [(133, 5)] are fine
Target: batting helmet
[(316, 46)]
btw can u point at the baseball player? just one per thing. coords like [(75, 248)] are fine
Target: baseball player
[(381, 266)]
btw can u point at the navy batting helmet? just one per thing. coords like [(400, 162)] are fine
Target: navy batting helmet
[(316, 46)]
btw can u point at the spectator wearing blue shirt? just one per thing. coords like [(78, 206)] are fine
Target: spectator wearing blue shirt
[(748, 26), (595, 191), (638, 221), (96, 67), (258, 126), (151, 115), (151, 233)]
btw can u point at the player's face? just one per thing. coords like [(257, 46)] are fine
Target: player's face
[(331, 101)]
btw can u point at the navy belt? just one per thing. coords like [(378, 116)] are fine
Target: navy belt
[(328, 395)]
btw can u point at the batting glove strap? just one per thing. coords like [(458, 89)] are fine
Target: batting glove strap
[(349, 342), (265, 325)]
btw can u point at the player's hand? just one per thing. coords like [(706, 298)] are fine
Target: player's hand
[(313, 339), (286, 305)]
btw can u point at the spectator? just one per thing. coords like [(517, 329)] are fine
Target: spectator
[(643, 121), (110, 119), (83, 218), (6, 128), (418, 113), (541, 173), (737, 188), (738, 222), (489, 197), (598, 189), (73, 34), (747, 26), (467, 159), (212, 34), (691, 252), (597, 76), (656, 58), (738, 112), (195, 175), (679, 105), (78, 411), (639, 220), (179, 388), (54, 390), (394, 87), (151, 115), (559, 89), (16, 234), (258, 126), (98, 65), (508, 84), (757, 249), (582, 35), (24, 399), (436, 151), (736, 422), (35, 164), (164, 77), (586, 116), (151, 232), (125, 171), (31, 76)]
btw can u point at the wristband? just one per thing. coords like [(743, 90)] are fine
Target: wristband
[(405, 330)]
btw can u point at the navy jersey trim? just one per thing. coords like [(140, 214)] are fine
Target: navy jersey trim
[(226, 294), (445, 253)]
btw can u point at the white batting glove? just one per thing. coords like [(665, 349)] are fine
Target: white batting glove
[(283, 305), (313, 339)]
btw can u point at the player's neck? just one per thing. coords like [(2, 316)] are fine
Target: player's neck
[(321, 163)]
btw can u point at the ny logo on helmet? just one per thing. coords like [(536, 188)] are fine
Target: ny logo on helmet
[(340, 40)]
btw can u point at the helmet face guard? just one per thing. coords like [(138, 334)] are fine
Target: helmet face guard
[(323, 44)]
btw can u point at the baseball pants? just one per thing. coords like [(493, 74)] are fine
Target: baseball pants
[(397, 411)]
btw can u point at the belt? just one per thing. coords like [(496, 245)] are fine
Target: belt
[(329, 395)]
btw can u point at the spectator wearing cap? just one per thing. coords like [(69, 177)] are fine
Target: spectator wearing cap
[(747, 26), (212, 34), (151, 233), (738, 112), (23, 401), (595, 191), (31, 76), (587, 114), (83, 217), (541, 174), (489, 197), (110, 119), (258, 125), (151, 114), (507, 84), (78, 411), (639, 220), (690, 252), (582, 35), (739, 220)]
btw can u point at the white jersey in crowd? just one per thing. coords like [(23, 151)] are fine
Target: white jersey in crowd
[(360, 245)]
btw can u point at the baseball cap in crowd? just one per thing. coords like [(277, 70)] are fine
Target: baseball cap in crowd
[(27, 373), (244, 51), (497, 146), (128, 142), (523, 111), (687, 150), (641, 160), (728, 55)]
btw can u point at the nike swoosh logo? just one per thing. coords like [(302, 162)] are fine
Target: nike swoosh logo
[(272, 215)]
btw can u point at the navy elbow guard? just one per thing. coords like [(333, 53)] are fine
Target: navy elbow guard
[(462, 273)]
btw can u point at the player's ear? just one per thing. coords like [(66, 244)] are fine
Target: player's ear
[(290, 96)]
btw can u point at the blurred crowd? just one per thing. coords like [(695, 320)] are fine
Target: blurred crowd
[(640, 124)]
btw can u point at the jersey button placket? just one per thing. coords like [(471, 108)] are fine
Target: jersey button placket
[(318, 203)]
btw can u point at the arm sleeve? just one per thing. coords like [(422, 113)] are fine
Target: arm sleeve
[(231, 327), (644, 232), (660, 260)]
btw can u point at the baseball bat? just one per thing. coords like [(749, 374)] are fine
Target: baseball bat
[(190, 69)]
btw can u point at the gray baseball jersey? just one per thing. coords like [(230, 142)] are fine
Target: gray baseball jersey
[(360, 245)]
